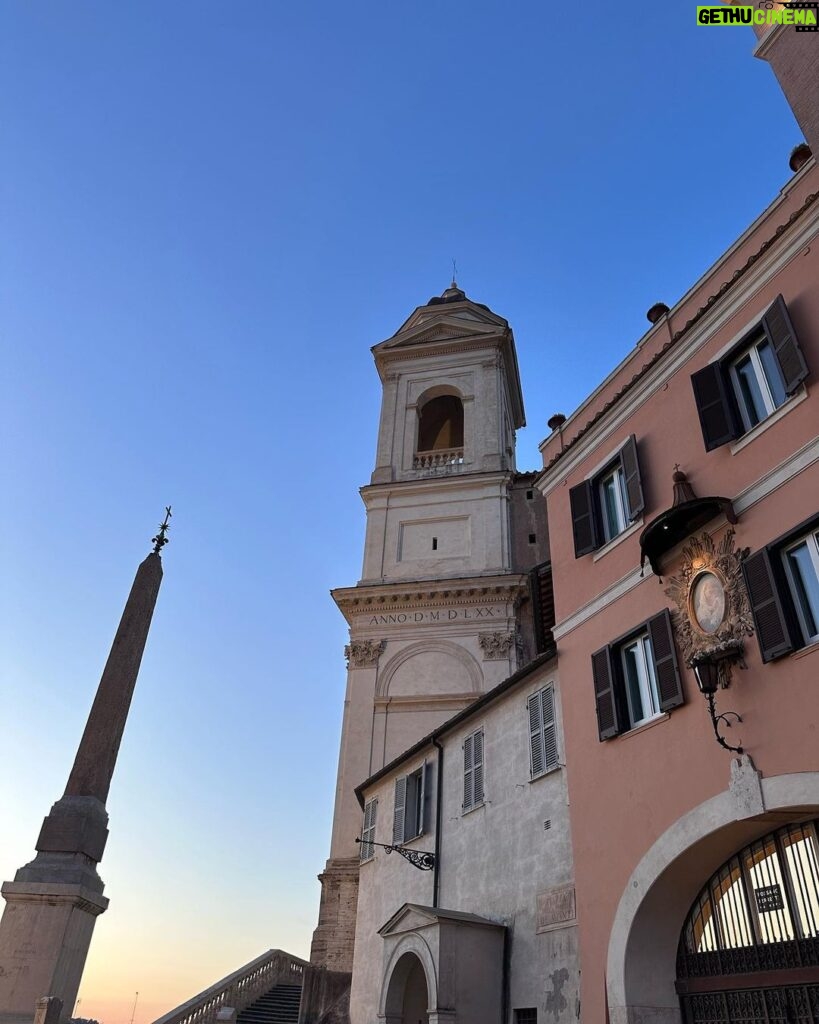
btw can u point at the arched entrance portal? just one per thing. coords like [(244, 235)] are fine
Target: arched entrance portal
[(408, 995), (749, 949)]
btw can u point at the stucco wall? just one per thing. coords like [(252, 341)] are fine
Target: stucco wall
[(494, 861)]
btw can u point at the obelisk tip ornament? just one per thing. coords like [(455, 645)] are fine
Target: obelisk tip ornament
[(160, 540), (53, 901)]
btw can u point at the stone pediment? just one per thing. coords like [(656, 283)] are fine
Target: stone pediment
[(435, 327), (413, 916)]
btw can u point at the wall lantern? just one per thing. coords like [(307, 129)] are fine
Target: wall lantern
[(710, 670)]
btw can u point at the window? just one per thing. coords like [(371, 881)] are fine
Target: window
[(737, 392), (802, 565), (473, 770), (603, 506), (410, 806), (636, 677), (783, 588), (640, 680), (542, 732), (526, 1016), (366, 849)]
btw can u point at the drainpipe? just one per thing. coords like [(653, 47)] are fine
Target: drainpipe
[(439, 817)]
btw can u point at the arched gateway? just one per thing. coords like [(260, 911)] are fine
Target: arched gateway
[(699, 935), (749, 949)]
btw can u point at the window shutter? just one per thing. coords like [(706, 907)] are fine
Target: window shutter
[(669, 684), (608, 723), (477, 771), (631, 475), (769, 615), (536, 762), (547, 701), (779, 330), (422, 799), (368, 831), (543, 605), (400, 810), (581, 502), (714, 406), (469, 764)]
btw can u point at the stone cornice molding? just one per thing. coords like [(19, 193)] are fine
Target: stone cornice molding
[(433, 594), (420, 484)]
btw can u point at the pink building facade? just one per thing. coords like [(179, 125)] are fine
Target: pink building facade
[(696, 866)]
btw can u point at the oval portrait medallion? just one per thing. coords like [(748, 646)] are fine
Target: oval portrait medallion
[(708, 602)]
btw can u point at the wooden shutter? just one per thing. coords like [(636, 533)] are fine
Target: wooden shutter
[(769, 616), (605, 697), (669, 684), (469, 763), (477, 770), (547, 703), (399, 812), (631, 476), (368, 831), (581, 502), (714, 405), (536, 759), (421, 818), (779, 330), (543, 605)]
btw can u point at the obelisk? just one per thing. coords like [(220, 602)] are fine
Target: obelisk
[(53, 902)]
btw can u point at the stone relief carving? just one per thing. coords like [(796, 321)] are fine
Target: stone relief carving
[(364, 653), (496, 646), (713, 614)]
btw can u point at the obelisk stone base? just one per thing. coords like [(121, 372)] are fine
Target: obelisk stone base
[(44, 938)]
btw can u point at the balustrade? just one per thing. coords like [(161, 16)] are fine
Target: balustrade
[(240, 989), (450, 458)]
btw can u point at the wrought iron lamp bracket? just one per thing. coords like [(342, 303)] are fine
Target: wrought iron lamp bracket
[(418, 858), (724, 717)]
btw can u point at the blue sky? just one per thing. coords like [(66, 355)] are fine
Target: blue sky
[(210, 212)]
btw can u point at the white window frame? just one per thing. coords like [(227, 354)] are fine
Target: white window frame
[(646, 679), (762, 380), (615, 474), (811, 539), (542, 721), (473, 748), (366, 849)]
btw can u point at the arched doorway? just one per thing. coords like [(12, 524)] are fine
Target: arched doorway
[(749, 948), (408, 994)]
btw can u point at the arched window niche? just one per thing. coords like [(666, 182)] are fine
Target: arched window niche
[(440, 439)]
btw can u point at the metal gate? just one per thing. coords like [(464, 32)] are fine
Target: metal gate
[(749, 949)]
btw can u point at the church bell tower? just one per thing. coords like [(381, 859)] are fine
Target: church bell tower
[(434, 619)]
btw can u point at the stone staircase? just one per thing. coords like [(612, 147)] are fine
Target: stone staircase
[(278, 1006)]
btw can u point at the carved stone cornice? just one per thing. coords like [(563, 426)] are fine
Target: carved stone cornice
[(497, 646), (364, 653), (391, 597)]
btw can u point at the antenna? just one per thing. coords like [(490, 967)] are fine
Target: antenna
[(454, 274), (136, 994)]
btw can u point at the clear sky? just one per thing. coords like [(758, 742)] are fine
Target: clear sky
[(210, 212)]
